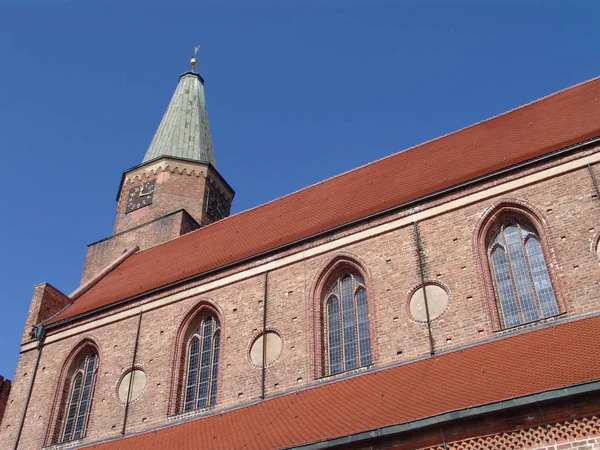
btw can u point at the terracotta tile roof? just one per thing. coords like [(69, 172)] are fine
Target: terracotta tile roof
[(552, 123), (555, 357)]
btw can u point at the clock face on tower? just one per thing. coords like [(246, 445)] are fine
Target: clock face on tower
[(140, 196), (216, 208)]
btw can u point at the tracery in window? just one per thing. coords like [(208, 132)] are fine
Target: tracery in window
[(79, 401), (346, 336), (202, 364), (521, 278)]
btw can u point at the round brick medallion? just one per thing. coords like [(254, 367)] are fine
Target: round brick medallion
[(437, 300), (273, 348), (137, 385)]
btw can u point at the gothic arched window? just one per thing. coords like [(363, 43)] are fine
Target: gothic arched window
[(202, 362), (79, 400), (346, 324), (522, 282)]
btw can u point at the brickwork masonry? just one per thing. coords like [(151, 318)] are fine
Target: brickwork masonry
[(4, 391), (569, 212)]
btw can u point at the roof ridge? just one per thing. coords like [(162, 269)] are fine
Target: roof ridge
[(502, 114)]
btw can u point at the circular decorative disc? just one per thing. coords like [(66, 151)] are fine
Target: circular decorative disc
[(137, 386), (273, 348), (437, 300)]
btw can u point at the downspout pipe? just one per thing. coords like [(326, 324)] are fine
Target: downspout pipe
[(132, 372), (39, 333), (422, 272), (264, 337), (593, 177), (443, 439)]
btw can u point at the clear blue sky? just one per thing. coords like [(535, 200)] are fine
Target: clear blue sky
[(297, 91)]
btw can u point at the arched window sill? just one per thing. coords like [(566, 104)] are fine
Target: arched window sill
[(62, 445), (194, 413), (345, 373), (533, 324)]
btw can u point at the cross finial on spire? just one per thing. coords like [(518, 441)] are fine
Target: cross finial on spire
[(194, 61)]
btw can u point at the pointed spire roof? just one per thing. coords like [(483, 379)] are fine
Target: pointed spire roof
[(184, 131)]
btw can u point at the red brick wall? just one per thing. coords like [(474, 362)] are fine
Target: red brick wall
[(4, 391), (175, 188), (46, 301), (101, 254), (571, 216)]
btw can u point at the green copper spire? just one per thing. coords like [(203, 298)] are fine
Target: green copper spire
[(184, 131)]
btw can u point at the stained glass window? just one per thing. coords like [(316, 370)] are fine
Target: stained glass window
[(521, 279), (80, 398), (346, 323), (202, 365)]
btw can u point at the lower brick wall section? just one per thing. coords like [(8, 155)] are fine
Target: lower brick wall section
[(589, 444), (585, 444), (575, 434), (4, 391), (571, 424)]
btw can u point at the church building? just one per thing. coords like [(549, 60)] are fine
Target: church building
[(446, 297)]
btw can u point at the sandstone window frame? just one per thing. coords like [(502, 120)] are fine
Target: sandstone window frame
[(200, 369), (595, 245), (331, 273), (80, 368), (347, 342), (513, 211), (184, 342)]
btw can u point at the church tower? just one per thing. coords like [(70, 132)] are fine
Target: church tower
[(176, 189)]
